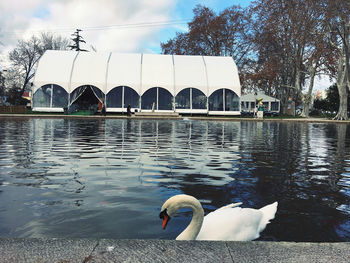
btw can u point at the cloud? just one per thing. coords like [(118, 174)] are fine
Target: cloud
[(322, 82), (102, 21)]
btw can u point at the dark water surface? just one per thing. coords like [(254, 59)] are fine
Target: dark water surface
[(109, 178)]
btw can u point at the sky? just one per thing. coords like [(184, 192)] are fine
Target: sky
[(108, 25)]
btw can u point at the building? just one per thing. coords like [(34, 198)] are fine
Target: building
[(146, 82), (270, 104)]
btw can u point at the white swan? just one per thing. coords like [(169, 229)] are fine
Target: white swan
[(226, 223)]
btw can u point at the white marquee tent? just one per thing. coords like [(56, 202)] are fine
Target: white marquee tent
[(185, 84)]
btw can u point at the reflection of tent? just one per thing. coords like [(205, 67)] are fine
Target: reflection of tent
[(193, 84)]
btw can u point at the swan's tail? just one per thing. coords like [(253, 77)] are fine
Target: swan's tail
[(269, 212)]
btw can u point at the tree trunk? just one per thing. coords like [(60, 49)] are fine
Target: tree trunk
[(342, 88), (307, 97), (343, 103)]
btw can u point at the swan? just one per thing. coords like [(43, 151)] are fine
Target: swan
[(226, 223)]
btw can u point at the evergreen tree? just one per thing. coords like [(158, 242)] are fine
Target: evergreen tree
[(77, 39)]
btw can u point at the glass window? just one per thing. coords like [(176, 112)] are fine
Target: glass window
[(266, 106), (165, 99), (42, 97), (252, 105), (114, 98), (199, 100), (60, 97), (131, 97), (216, 101), (149, 97), (182, 99), (274, 105), (231, 101)]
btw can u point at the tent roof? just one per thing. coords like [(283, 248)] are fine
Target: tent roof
[(124, 70), (54, 67), (190, 72), (71, 69)]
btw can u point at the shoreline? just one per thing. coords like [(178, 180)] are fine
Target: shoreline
[(165, 117)]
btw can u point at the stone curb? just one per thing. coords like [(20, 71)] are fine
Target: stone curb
[(108, 250)]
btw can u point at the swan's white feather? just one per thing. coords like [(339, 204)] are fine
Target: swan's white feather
[(229, 222), (236, 224)]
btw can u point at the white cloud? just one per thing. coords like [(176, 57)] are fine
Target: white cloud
[(322, 83), (24, 18)]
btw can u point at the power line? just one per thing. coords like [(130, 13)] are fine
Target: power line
[(109, 27)]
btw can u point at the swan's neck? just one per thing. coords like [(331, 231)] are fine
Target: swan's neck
[(192, 230)]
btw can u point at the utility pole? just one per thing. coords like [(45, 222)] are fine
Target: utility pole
[(77, 39)]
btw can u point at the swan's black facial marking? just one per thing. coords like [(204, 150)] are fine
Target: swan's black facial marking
[(166, 218)]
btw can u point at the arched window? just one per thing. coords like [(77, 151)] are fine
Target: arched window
[(115, 98), (199, 100), (122, 96), (42, 97), (50, 96), (182, 99), (223, 100), (231, 100), (216, 102), (148, 98), (190, 98), (131, 98), (60, 97), (161, 98)]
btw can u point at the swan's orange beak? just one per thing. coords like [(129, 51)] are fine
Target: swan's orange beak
[(163, 215)]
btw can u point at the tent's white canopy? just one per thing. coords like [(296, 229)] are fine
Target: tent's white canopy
[(71, 69)]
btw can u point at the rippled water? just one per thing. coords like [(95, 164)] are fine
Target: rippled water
[(108, 178)]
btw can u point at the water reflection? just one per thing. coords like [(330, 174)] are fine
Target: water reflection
[(108, 178)]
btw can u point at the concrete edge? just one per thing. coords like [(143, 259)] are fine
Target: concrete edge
[(111, 250)]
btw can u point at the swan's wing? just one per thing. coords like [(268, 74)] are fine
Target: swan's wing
[(229, 206), (236, 224)]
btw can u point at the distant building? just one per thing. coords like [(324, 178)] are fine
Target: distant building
[(186, 84), (320, 95), (270, 104), (3, 101)]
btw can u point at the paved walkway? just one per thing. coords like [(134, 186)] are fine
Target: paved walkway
[(104, 250)]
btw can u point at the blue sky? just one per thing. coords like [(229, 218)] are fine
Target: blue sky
[(184, 10)]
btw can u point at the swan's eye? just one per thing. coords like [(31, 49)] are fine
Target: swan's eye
[(161, 214), (164, 215)]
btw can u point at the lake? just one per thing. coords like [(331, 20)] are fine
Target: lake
[(108, 178)]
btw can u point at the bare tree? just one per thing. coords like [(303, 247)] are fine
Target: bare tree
[(27, 53), (210, 34), (337, 13), (290, 49), (50, 41), (24, 57)]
